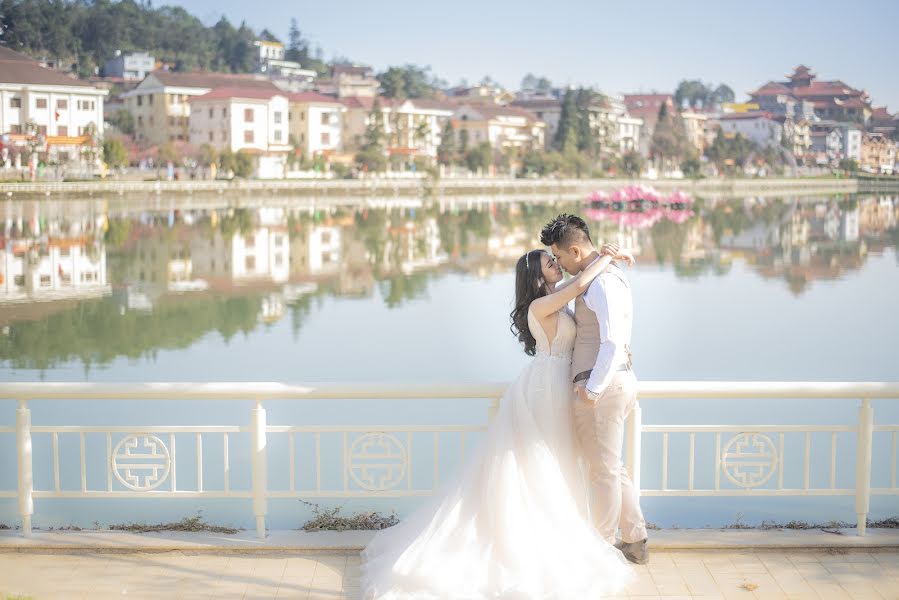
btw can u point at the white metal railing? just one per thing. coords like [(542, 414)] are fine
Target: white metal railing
[(377, 461)]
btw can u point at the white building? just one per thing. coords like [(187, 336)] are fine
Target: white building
[(760, 127), (269, 50), (852, 141), (502, 126), (254, 121), (131, 66), (316, 123), (349, 81), (42, 110), (160, 103), (412, 127)]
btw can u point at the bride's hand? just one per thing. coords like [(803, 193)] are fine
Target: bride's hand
[(610, 248), (626, 255)]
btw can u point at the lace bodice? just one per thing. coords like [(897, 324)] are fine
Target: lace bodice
[(563, 343)]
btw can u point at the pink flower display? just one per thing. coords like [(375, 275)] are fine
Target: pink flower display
[(639, 206)]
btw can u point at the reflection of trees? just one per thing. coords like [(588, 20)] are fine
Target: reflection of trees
[(401, 288), (668, 241), (96, 333), (237, 220)]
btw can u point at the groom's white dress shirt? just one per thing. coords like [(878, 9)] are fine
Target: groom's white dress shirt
[(609, 296)]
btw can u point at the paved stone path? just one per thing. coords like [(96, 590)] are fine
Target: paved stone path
[(706, 574)]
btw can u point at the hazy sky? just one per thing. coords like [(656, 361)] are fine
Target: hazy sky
[(619, 47)]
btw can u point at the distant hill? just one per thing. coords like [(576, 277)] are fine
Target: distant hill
[(83, 35)]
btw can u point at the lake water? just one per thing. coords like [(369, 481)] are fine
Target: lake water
[(192, 288)]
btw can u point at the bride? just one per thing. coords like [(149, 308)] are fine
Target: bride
[(511, 524)]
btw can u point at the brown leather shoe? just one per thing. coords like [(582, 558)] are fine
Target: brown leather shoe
[(636, 552)]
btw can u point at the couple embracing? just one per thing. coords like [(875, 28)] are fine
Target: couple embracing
[(536, 510)]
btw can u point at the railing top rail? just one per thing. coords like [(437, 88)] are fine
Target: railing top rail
[(375, 391)]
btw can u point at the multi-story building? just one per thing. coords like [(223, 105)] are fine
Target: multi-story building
[(482, 94), (878, 154), (47, 114), (349, 81), (802, 92), (253, 121), (316, 123), (760, 127), (827, 145), (502, 126), (160, 103), (694, 128), (852, 141), (131, 66), (412, 127), (548, 110)]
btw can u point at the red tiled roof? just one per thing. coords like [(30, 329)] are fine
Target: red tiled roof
[(753, 114), (18, 68), (313, 98), (222, 93), (489, 112), (772, 88), (205, 79), (643, 105)]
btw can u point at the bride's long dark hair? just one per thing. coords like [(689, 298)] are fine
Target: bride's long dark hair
[(529, 285)]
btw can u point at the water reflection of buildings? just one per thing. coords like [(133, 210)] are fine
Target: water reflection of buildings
[(44, 259), (259, 253)]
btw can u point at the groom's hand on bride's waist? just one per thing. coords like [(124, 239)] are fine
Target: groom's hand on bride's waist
[(583, 396)]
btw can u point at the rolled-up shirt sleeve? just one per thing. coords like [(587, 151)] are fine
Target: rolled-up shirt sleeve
[(603, 298)]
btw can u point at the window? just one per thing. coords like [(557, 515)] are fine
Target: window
[(19, 280), (42, 130), (250, 263), (279, 260), (211, 137), (326, 237), (224, 113), (277, 117), (210, 113), (45, 281), (302, 115), (140, 119), (15, 103), (62, 130), (224, 136), (248, 115), (140, 101), (326, 118), (277, 135), (326, 139), (279, 241), (151, 120), (15, 129), (62, 104), (248, 136), (41, 103), (65, 251), (63, 157)]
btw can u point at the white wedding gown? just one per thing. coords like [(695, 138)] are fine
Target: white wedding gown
[(511, 523)]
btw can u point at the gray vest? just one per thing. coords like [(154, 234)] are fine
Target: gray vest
[(586, 344)]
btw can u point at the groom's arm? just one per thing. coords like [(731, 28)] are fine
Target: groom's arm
[(604, 298)]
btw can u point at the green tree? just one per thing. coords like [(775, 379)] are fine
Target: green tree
[(566, 138), (114, 153), (669, 143), (446, 151), (479, 157), (123, 121), (408, 81), (632, 163), (372, 155)]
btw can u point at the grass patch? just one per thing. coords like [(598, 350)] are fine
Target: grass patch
[(332, 520), (189, 524)]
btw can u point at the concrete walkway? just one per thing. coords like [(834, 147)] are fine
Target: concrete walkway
[(685, 564)]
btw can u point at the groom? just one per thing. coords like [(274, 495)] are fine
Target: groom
[(605, 385)]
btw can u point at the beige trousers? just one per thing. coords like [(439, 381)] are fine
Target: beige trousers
[(614, 502)]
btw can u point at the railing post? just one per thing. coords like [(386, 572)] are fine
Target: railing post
[(863, 463), (259, 466), (491, 410), (23, 452), (634, 445)]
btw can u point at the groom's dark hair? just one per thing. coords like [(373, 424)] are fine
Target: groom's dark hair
[(565, 230)]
